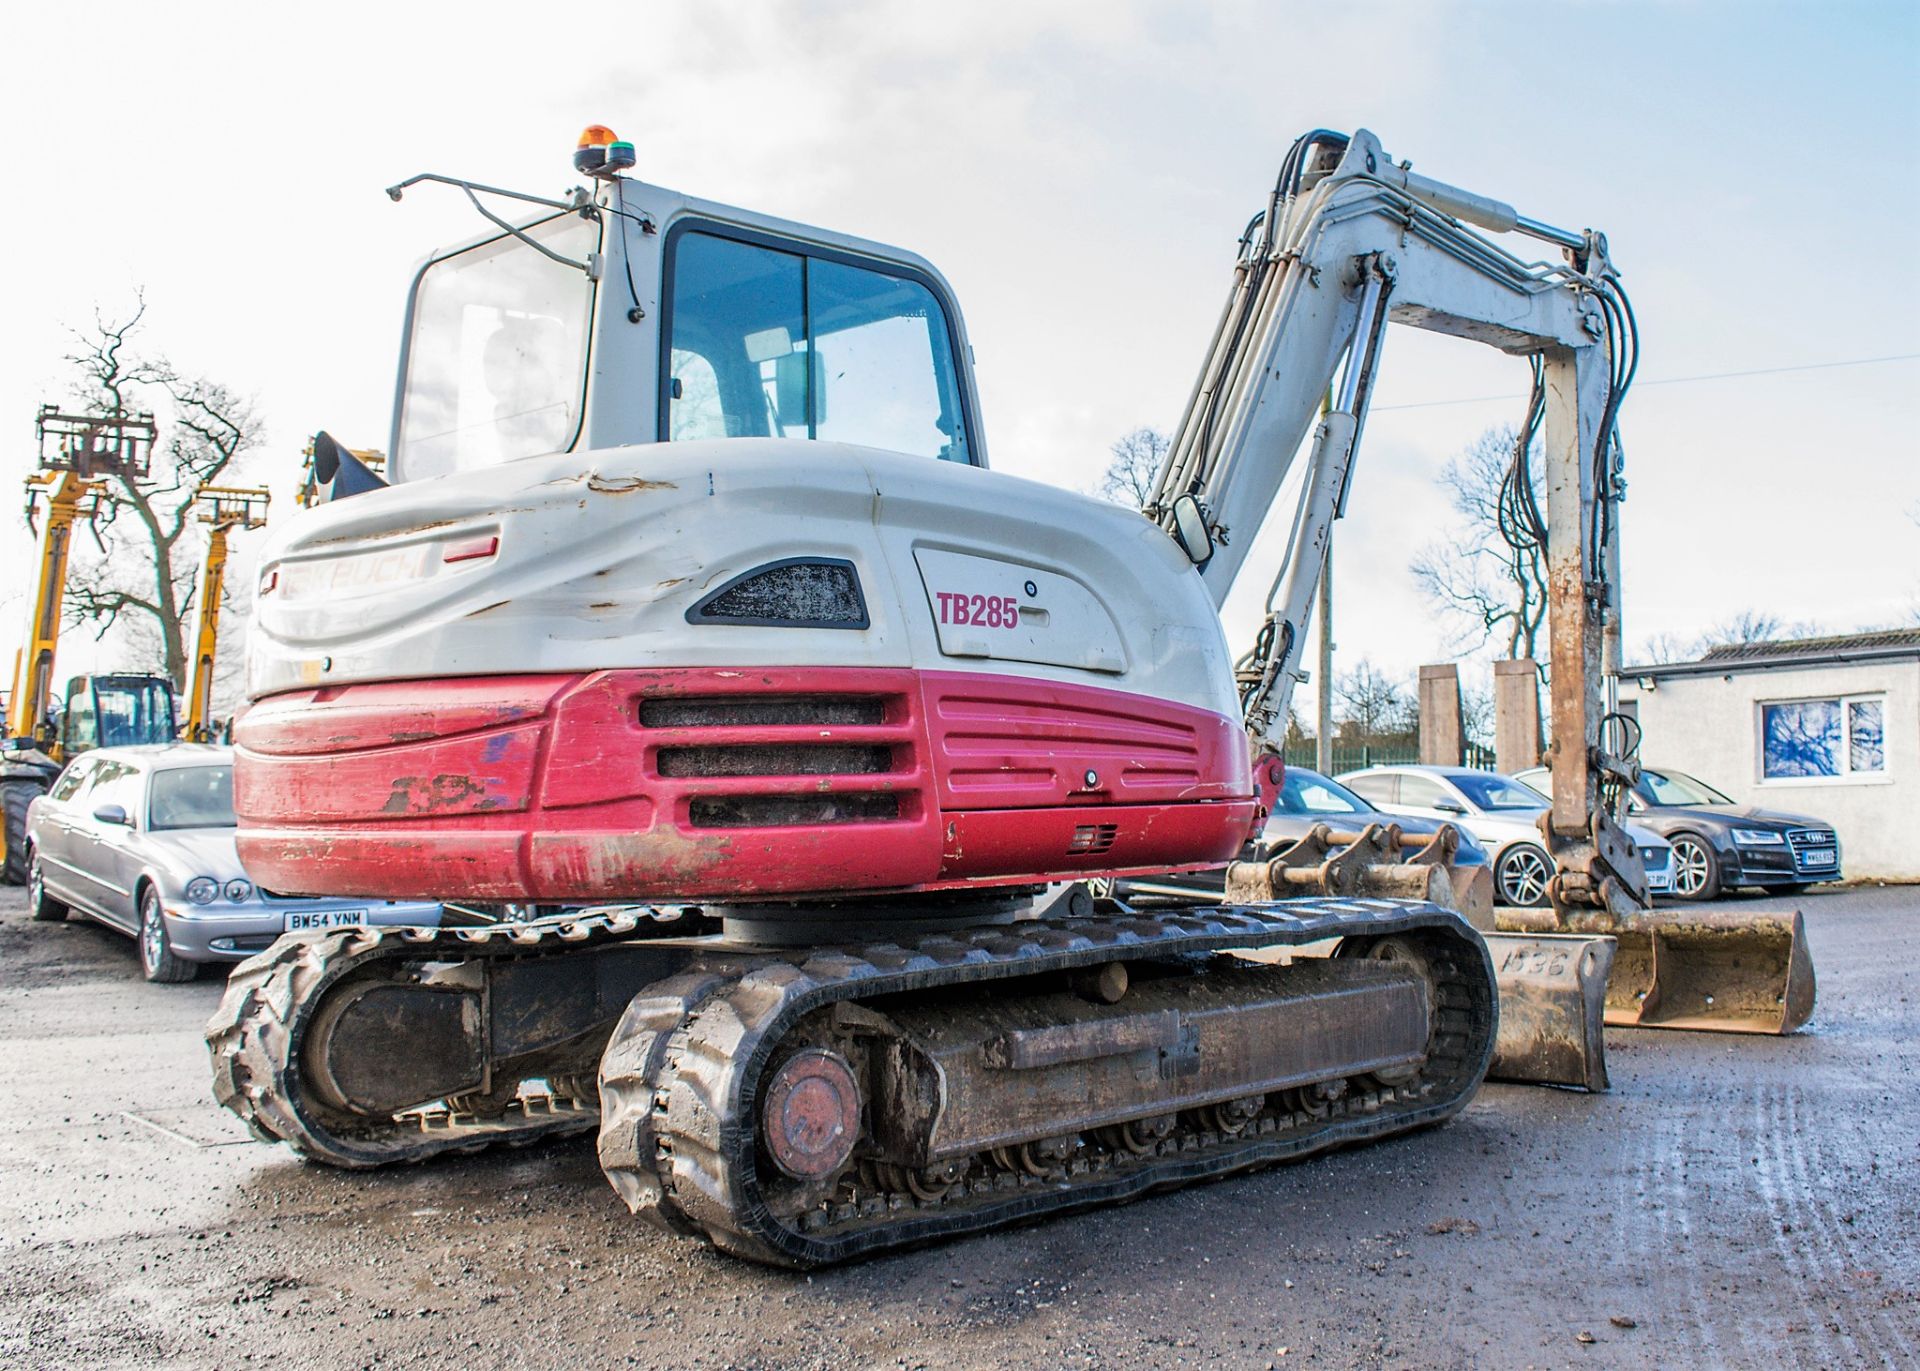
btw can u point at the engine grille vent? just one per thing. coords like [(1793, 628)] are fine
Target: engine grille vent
[(748, 711), (1092, 839), (800, 592), (791, 811), (776, 759)]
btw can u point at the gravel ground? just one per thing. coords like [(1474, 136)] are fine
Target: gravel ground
[(1734, 1202)]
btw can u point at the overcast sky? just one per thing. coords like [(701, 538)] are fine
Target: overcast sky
[(1080, 174)]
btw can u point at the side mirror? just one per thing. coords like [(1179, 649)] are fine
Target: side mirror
[(113, 814), (338, 469), (1191, 532), (1449, 807)]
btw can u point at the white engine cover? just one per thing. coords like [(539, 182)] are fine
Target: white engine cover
[(600, 555)]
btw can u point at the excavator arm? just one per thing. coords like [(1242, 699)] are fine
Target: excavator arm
[(1349, 242)]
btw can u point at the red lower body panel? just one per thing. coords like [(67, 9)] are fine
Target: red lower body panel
[(727, 784)]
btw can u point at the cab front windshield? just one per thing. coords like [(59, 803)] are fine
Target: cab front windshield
[(496, 352)]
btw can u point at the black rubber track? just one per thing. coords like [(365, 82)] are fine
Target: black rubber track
[(256, 1035), (680, 1075)]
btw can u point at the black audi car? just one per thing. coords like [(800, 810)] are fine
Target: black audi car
[(1719, 844)]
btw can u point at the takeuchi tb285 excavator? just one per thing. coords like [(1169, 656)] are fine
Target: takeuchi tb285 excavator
[(687, 593)]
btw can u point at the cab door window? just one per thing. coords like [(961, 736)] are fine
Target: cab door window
[(81, 728), (773, 341)]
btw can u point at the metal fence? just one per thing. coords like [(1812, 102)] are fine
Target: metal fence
[(1352, 757)]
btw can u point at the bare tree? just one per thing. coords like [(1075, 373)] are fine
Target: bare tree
[(1475, 576), (1739, 629), (1755, 626), (1374, 705), (146, 581), (1476, 714), (1130, 475)]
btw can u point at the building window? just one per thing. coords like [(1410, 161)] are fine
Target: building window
[(1830, 738)]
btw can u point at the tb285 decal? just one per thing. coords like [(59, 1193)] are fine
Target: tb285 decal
[(984, 611)]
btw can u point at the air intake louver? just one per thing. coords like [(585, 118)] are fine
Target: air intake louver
[(800, 592), (1092, 839)]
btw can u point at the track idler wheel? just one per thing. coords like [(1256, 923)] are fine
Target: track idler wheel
[(810, 1117)]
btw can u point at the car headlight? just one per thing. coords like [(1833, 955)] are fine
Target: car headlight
[(1757, 837), (239, 890), (203, 889)]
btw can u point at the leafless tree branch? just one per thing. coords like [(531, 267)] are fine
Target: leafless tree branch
[(1135, 466)]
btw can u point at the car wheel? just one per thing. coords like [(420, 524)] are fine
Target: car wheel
[(41, 905), (157, 957), (1696, 871), (1522, 876)]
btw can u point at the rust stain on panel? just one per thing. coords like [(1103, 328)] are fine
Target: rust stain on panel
[(625, 485)]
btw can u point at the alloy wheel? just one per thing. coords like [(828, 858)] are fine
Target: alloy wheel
[(1524, 874), (1691, 868), (152, 936)]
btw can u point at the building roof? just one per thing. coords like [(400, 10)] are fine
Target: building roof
[(1782, 653)]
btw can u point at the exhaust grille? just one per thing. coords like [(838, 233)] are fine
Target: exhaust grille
[(753, 711), (791, 811), (776, 759)]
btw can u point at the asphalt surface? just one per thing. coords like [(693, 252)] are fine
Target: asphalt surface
[(1741, 1202)]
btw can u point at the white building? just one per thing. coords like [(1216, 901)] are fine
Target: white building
[(1827, 727)]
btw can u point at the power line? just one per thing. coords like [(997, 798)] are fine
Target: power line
[(1672, 380)]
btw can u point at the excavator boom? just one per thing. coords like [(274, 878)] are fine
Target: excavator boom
[(1348, 243)]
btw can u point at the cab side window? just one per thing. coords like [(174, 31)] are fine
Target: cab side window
[(775, 341), (79, 726)]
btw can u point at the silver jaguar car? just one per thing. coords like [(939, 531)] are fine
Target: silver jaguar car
[(141, 838)]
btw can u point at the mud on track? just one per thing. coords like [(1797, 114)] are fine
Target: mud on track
[(1743, 1202)]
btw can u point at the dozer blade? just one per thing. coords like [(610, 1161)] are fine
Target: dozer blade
[(1710, 970), (1553, 989)]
